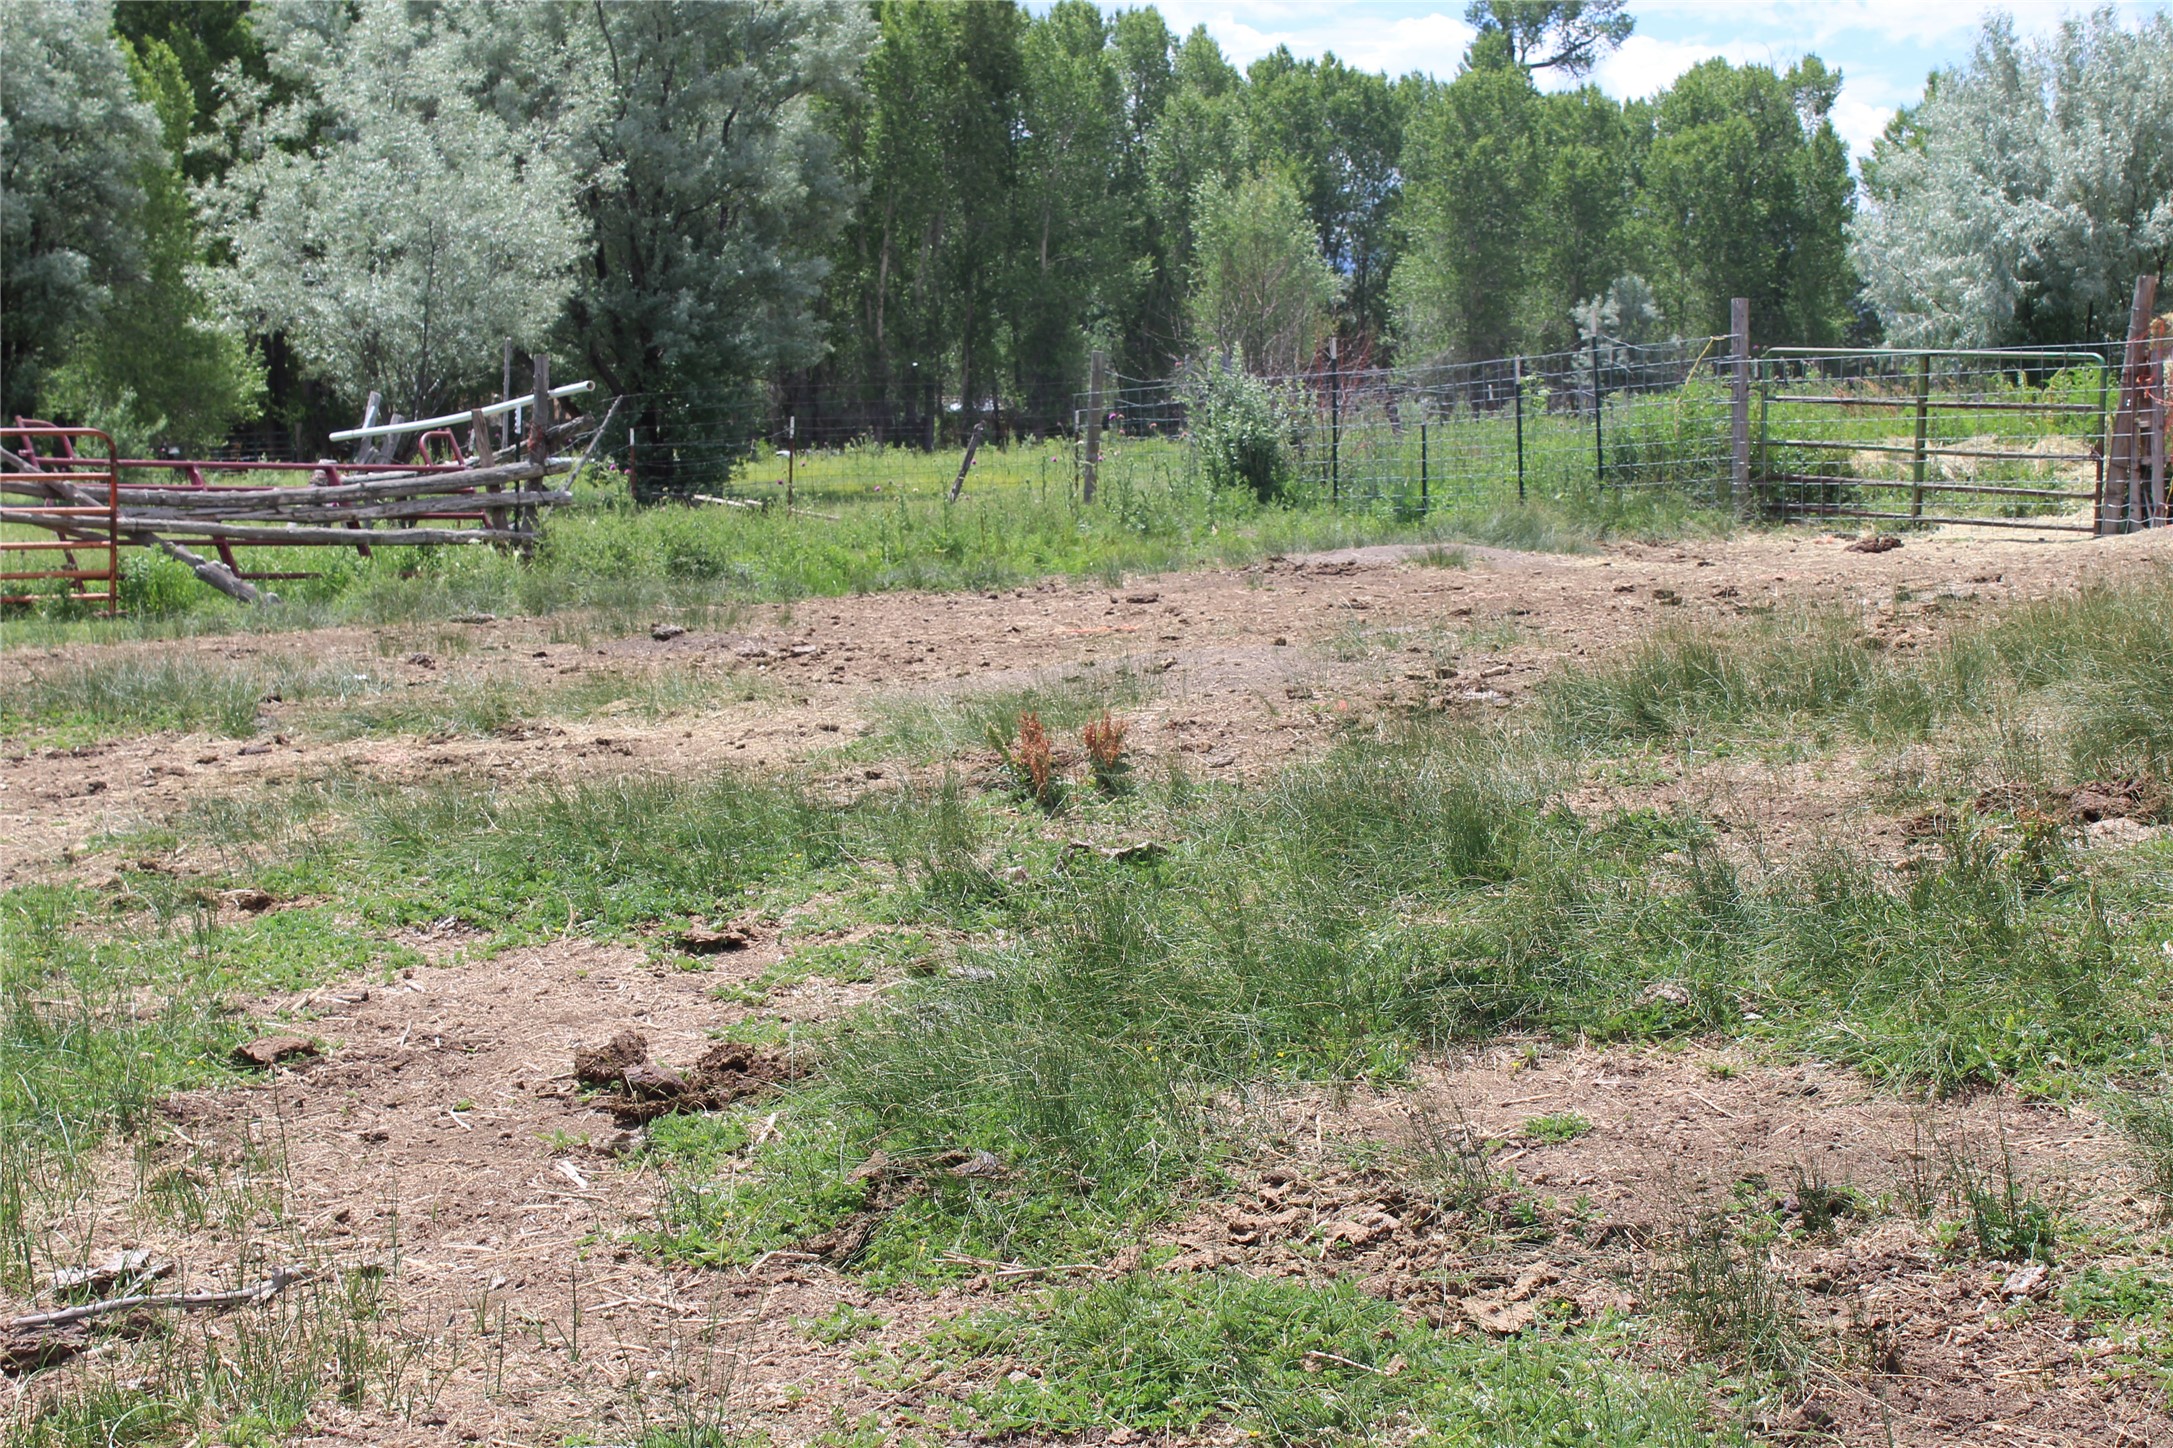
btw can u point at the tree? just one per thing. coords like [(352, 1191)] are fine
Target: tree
[(2020, 199), (1475, 169), (1746, 192), (1338, 133), (1565, 35), (927, 144), (74, 143), (1261, 290), (391, 225), (715, 194), (158, 365), (1071, 268)]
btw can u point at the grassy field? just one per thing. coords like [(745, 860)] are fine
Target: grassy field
[(1103, 1024), (866, 519)]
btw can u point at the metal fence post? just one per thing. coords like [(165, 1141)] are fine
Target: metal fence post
[(1425, 500), (1599, 444), (1923, 419), (1335, 426), (1517, 375), (1739, 404), (1090, 465)]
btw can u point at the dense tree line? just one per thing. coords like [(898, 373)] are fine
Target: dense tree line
[(916, 211)]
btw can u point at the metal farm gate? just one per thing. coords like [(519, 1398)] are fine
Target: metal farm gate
[(1975, 437), (59, 516)]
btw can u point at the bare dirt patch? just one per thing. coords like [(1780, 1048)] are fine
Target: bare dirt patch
[(1248, 667)]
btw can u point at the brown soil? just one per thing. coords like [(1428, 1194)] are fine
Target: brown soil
[(441, 1130)]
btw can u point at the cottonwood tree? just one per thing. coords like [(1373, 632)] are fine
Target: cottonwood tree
[(158, 365), (74, 143), (390, 224), (1745, 193), (1262, 292), (2020, 200), (1570, 36)]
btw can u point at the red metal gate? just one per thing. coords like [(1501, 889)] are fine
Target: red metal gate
[(71, 502)]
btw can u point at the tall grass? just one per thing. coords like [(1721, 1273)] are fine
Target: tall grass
[(2093, 667), (867, 520)]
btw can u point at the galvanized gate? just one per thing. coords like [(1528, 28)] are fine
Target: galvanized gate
[(1993, 438)]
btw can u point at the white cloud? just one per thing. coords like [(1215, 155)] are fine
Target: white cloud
[(1369, 37), (1645, 66)]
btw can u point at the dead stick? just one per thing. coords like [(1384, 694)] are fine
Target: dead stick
[(973, 444), (598, 436), (272, 1286)]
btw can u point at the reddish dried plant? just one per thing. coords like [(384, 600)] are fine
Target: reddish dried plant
[(1036, 760), (1105, 750)]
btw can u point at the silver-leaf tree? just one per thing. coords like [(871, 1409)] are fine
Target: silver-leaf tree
[(2019, 201), (392, 221)]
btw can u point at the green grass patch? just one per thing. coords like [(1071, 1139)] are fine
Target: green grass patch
[(1291, 1362), (870, 519)]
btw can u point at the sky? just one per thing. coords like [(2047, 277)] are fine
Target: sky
[(1883, 48)]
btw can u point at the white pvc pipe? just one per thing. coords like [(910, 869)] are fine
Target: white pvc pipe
[(423, 424)]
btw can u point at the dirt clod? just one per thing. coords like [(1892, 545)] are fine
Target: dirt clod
[(266, 1051), (700, 940)]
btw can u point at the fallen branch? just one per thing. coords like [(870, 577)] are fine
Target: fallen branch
[(304, 509), (264, 1291)]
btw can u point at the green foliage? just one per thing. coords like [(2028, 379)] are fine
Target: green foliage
[(1745, 190), (1555, 1129), (1292, 1362), (78, 142), (1735, 1306), (1242, 432), (1261, 291), (157, 366)]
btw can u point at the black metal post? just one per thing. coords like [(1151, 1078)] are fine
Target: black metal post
[(1599, 446), (1425, 501), (1335, 426), (1518, 377)]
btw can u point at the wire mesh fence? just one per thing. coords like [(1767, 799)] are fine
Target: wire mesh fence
[(1608, 416)]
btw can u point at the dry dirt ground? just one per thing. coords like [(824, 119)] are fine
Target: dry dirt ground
[(439, 1135)]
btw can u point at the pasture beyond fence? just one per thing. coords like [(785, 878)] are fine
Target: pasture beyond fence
[(2051, 440)]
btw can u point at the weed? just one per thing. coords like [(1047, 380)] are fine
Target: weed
[(1735, 1307), (1557, 1128), (1031, 762), (2007, 1220), (1104, 740), (2146, 1118), (841, 1323)]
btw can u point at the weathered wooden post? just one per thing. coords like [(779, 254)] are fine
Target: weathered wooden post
[(973, 445), (792, 456), (1091, 465), (1335, 425), (2120, 504), (1739, 404)]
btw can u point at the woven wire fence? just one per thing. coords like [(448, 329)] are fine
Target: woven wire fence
[(1609, 416)]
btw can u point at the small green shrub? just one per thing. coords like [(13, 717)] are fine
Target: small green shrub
[(1241, 430)]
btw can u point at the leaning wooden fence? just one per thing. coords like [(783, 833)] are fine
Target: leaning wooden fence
[(96, 505)]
